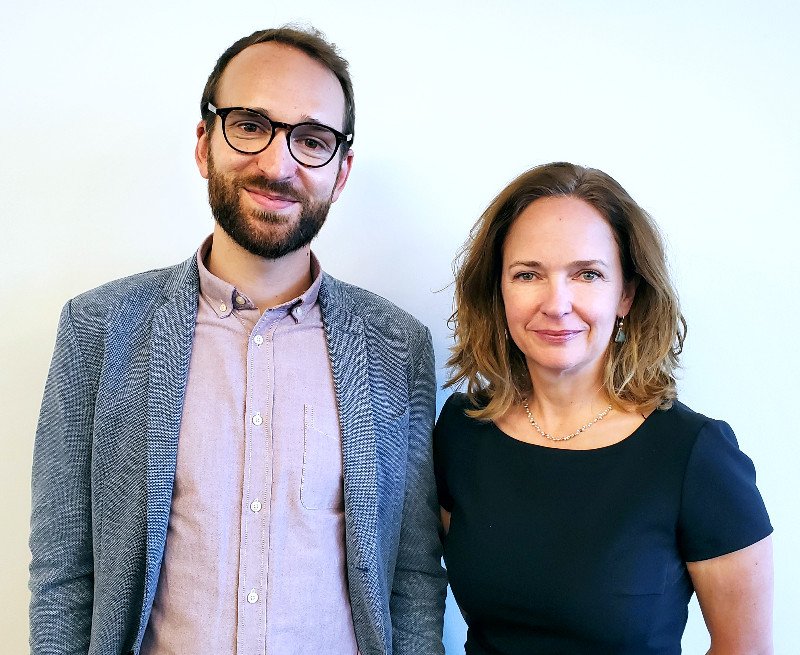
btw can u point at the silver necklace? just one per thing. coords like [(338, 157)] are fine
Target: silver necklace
[(546, 435)]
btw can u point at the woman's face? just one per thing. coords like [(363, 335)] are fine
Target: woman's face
[(562, 286)]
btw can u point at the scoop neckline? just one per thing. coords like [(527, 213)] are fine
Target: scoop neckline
[(619, 444)]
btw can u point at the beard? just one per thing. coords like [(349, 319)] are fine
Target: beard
[(247, 227)]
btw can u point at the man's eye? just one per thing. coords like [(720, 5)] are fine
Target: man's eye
[(311, 144), (250, 128)]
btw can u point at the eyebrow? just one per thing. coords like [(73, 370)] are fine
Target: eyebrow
[(579, 263), (304, 118)]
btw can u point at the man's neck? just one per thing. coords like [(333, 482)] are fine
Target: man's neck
[(267, 282)]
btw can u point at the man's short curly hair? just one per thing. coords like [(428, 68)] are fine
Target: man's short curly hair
[(306, 39)]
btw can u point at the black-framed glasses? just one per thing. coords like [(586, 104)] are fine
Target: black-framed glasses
[(249, 131)]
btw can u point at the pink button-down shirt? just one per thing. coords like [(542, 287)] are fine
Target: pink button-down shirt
[(254, 560)]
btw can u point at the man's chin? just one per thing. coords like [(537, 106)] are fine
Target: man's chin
[(258, 219), (266, 248), (267, 236)]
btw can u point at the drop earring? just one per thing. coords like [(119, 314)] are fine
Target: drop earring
[(620, 337)]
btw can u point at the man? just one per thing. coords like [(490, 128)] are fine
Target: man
[(233, 454)]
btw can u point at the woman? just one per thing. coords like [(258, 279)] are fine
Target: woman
[(583, 504)]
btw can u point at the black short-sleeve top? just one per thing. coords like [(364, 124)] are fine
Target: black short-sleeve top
[(584, 551)]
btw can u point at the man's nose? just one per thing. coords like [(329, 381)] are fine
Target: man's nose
[(275, 161)]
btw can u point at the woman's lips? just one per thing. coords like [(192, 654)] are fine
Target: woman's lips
[(557, 336)]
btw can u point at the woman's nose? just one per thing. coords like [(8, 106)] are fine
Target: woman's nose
[(558, 299)]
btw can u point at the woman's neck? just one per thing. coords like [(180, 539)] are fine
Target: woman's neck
[(564, 402)]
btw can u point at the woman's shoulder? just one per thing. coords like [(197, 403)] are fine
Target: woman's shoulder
[(457, 406), (454, 438), (458, 401), (680, 419), (692, 432), (453, 419)]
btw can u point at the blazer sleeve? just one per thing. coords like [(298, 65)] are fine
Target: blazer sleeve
[(61, 569), (420, 583)]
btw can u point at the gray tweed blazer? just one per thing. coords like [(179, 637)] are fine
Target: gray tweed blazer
[(105, 452)]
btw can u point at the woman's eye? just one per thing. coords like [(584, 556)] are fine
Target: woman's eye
[(589, 276), (525, 275)]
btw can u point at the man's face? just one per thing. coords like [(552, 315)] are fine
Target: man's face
[(268, 203)]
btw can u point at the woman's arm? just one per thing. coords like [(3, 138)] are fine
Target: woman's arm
[(735, 595), (445, 516)]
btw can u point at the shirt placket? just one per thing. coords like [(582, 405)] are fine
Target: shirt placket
[(257, 488)]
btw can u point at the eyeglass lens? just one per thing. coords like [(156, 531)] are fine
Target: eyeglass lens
[(310, 144)]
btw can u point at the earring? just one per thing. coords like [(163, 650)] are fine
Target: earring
[(620, 337)]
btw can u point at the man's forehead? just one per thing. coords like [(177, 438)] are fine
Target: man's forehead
[(277, 77)]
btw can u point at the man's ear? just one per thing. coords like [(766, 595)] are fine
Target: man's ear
[(201, 149), (344, 173)]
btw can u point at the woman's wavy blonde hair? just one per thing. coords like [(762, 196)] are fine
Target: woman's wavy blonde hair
[(639, 373)]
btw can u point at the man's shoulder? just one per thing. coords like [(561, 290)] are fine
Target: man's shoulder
[(141, 290), (374, 310)]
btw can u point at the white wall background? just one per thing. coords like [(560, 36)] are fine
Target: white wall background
[(692, 106)]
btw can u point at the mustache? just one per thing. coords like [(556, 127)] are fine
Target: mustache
[(257, 183)]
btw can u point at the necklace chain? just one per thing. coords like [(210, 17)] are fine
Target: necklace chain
[(546, 435)]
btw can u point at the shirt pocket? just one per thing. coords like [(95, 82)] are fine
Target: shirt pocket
[(321, 480)]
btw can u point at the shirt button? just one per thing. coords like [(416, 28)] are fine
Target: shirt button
[(257, 420), (258, 339), (223, 307), (256, 505), (252, 597), (239, 300)]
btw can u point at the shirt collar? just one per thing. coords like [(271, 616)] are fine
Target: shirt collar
[(224, 297)]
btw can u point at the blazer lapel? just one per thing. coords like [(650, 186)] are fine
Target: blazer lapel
[(170, 350), (347, 350)]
